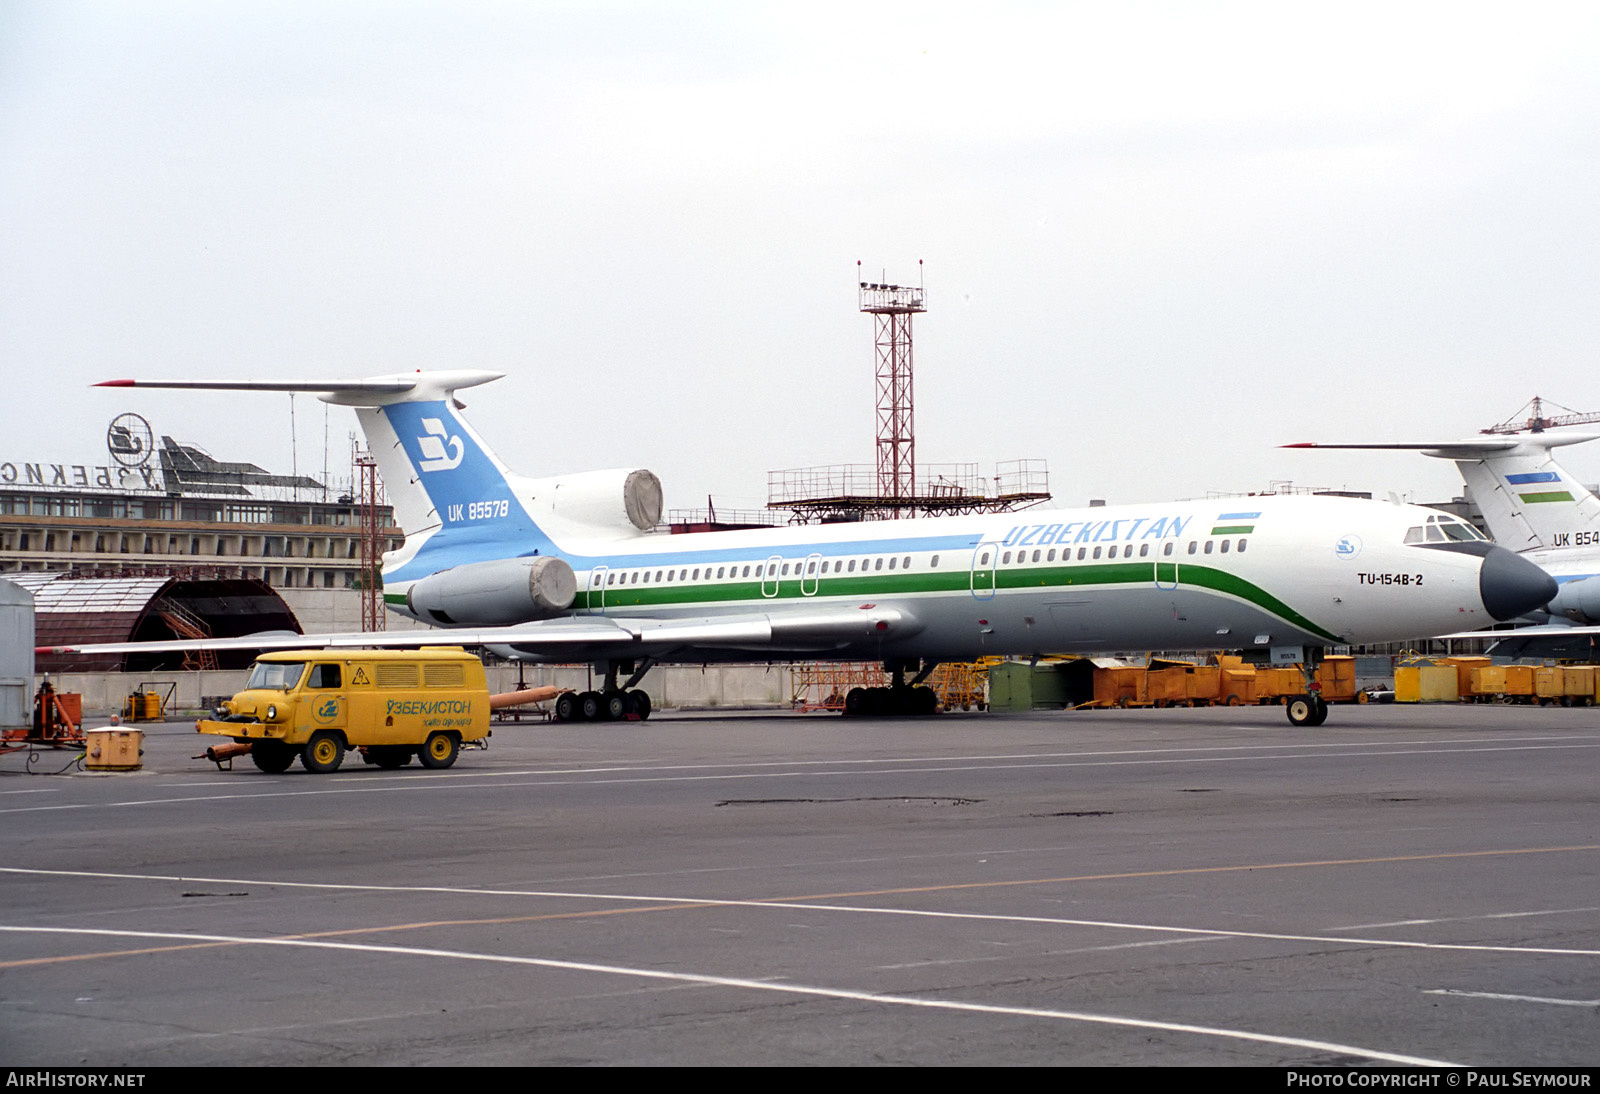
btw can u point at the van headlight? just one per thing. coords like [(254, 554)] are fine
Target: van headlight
[(272, 712)]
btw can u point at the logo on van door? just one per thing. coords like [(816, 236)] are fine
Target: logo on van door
[(326, 711)]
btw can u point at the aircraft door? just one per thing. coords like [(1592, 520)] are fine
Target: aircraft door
[(985, 558), (597, 589), (1166, 568), (809, 576), (769, 576)]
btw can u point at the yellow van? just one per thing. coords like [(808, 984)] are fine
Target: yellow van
[(391, 704)]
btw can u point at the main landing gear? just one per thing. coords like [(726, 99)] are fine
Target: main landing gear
[(899, 698), (611, 703)]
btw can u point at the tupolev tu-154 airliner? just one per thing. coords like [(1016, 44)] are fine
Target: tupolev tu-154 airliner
[(570, 569)]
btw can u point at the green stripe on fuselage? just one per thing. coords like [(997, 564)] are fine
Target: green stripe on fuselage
[(881, 584), (1233, 529)]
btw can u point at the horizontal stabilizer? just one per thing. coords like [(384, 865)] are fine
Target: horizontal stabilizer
[(373, 391)]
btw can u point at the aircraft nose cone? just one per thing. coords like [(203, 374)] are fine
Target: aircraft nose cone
[(1511, 585)]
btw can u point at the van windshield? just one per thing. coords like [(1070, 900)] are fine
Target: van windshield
[(275, 675)]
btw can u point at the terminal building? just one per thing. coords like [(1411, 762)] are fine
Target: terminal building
[(180, 544)]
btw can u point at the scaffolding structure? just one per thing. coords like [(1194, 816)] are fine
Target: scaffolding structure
[(824, 685)]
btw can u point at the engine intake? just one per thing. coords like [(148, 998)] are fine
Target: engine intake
[(495, 594)]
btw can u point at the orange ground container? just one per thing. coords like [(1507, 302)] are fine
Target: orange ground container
[(1337, 675), (1464, 666), (1122, 686), (1519, 681), (1238, 685)]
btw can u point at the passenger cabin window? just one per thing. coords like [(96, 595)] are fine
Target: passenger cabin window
[(1144, 550), (934, 562), (1208, 546), (1167, 550)]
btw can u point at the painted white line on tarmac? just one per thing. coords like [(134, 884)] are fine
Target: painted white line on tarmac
[(1464, 918), (1590, 1003), (741, 983), (853, 909)]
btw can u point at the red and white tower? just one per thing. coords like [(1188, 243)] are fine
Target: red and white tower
[(894, 305)]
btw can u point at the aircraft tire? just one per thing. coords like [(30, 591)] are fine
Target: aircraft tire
[(567, 707), (273, 757), (614, 706), (924, 700), (589, 706), (439, 750), (323, 754), (639, 703), (1302, 709), (855, 702), (1321, 713)]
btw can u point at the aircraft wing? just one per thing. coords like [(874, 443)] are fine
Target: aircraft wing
[(800, 630), (1541, 630), (1472, 448)]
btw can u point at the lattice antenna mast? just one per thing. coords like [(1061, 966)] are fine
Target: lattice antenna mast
[(371, 539), (894, 305)]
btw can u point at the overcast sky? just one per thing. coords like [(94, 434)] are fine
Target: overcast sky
[(1159, 239)]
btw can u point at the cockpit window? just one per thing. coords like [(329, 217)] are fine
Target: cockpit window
[(1444, 528)]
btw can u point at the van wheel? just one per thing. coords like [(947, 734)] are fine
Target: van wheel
[(440, 750), (323, 753), (273, 757)]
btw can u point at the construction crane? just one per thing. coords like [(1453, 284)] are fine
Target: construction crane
[(1531, 419)]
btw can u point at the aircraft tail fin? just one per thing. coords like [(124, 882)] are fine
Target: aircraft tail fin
[(439, 475), (1528, 499)]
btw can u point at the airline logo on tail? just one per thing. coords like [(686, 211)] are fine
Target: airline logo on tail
[(432, 445)]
